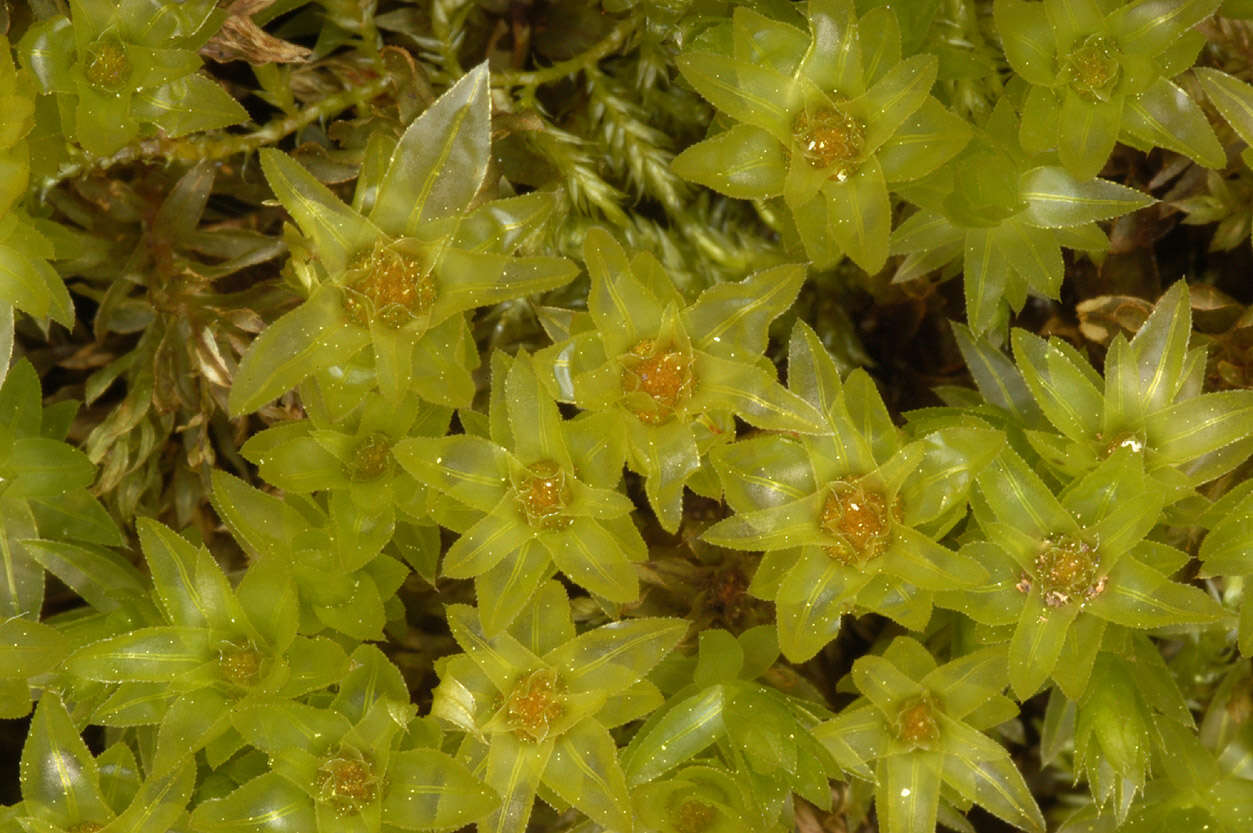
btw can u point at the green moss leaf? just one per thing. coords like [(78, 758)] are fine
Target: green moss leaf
[(28, 648), (907, 794), (1057, 199), (105, 580), (584, 771), (440, 160), (1137, 596), (982, 772), (1061, 385), (614, 656), (428, 790), (745, 162), (1028, 40), (266, 804), (60, 778), (1037, 643), (753, 95), (314, 336), (338, 233), (514, 770), (1165, 116), (166, 106), (1232, 97), (896, 97)]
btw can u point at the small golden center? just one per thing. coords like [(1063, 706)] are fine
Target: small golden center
[(916, 724), (370, 459), (1133, 441), (1093, 68), (85, 827), (829, 137), (239, 664), (346, 781), (1066, 568), (664, 375), (542, 493), (861, 519), (388, 286), (694, 817), (107, 67), (536, 702)]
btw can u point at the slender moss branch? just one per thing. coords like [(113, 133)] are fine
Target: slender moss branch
[(571, 66), (447, 21), (220, 145)]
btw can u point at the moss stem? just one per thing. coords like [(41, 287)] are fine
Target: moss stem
[(571, 66), (219, 145)]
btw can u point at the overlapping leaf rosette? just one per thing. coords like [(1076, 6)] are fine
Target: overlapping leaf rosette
[(726, 752), (398, 269), (827, 119), (674, 374), (345, 560), (119, 70), (538, 494), (1100, 73), (1065, 567), (1005, 217), (849, 518), (1150, 400), (917, 732), (536, 704), (351, 456), (354, 763), (212, 650)]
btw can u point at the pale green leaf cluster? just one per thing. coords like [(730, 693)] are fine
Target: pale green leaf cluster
[(510, 521)]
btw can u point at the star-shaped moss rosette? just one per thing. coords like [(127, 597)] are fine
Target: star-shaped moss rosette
[(1150, 401), (704, 797), (745, 732), (65, 789), (536, 704), (1100, 73), (847, 518), (216, 650), (674, 374), (1069, 567), (1006, 218), (540, 493), (44, 499), (356, 764), (399, 269), (332, 549), (117, 66), (921, 728), (351, 455), (827, 119)]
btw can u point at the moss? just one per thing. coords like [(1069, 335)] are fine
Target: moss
[(686, 413)]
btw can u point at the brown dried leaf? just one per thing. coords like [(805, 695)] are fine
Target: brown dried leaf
[(241, 39), (1102, 317), (209, 358), (810, 819)]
